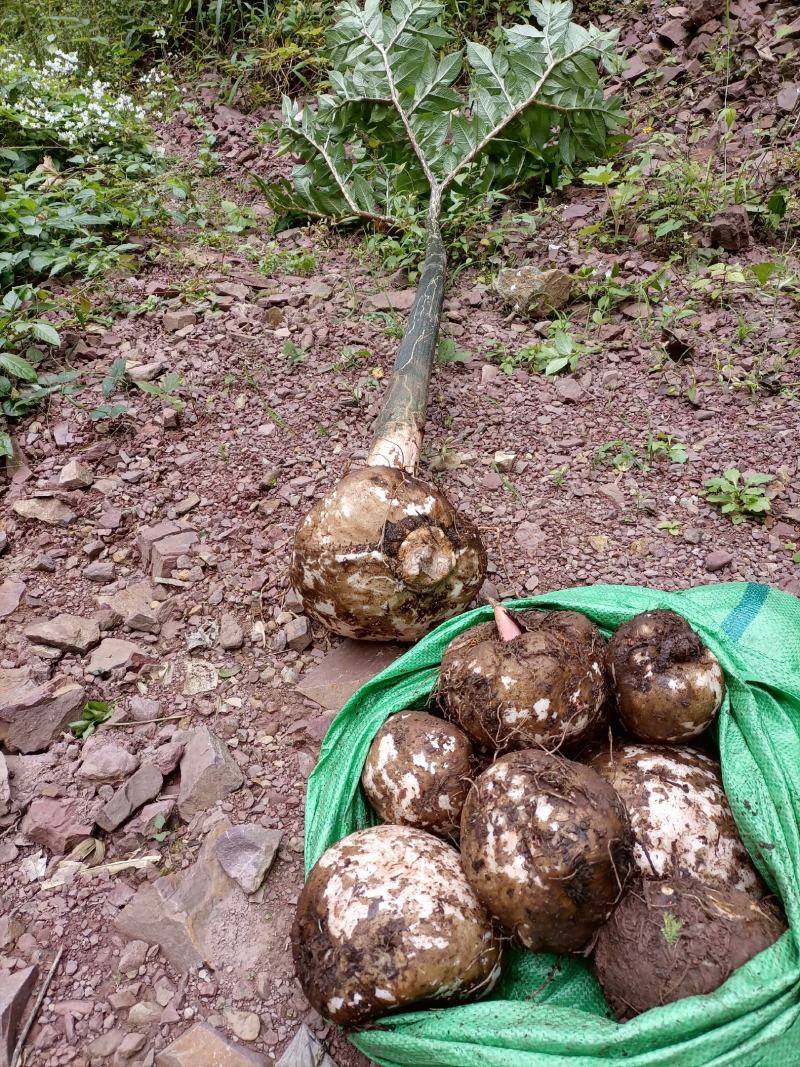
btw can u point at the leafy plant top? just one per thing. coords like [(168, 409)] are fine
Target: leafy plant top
[(738, 495), (408, 120)]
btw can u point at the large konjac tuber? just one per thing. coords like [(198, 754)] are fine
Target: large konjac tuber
[(384, 554), (386, 920)]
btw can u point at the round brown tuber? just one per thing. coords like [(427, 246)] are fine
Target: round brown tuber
[(668, 685), (385, 556), (678, 938), (545, 687), (546, 845), (418, 772), (679, 814), (386, 920)]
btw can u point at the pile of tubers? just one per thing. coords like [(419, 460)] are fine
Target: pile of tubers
[(555, 802)]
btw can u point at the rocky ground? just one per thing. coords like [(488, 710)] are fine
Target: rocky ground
[(156, 862)]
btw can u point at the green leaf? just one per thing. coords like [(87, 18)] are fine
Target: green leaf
[(17, 366), (757, 478), (43, 331), (6, 444), (114, 376), (763, 271), (107, 411)]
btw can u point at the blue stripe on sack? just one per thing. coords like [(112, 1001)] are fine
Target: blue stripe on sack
[(746, 610)]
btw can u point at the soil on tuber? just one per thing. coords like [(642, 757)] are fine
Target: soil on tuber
[(678, 938)]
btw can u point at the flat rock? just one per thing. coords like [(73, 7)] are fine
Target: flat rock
[(200, 676), (45, 509), (32, 716), (304, 1050), (533, 291), (569, 389), (190, 914), (148, 535), (392, 299), (529, 536), (101, 571), (70, 633), (208, 773), (246, 853), (173, 321), (106, 763), (15, 991), (143, 785), (343, 671), (245, 1025), (231, 634), (203, 1046), (166, 757), (137, 607), (11, 592), (54, 824), (114, 654), (149, 819), (75, 475)]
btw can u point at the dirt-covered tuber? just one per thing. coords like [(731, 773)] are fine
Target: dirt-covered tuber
[(385, 556), (418, 772), (386, 920), (668, 686), (544, 687), (674, 939), (546, 845), (679, 813)]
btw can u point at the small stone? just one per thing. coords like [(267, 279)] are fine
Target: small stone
[(15, 991), (536, 292), (145, 784), (787, 97), (106, 763), (101, 571), (298, 634), (164, 554), (692, 535), (701, 11), (11, 592), (173, 321), (203, 1046), (54, 824), (199, 677), (113, 654), (132, 957), (208, 773), (231, 634), (245, 1025), (166, 757), (717, 560), (170, 418), (246, 853), (614, 493), (146, 372), (148, 535), (45, 509), (150, 819), (529, 536), (75, 475), (504, 461), (106, 1044), (70, 633), (344, 670), (144, 1014), (3, 541), (137, 607), (569, 389), (730, 229), (188, 502)]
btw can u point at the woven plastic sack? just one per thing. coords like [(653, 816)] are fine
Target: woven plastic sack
[(551, 1013)]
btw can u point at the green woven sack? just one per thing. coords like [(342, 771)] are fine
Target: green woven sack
[(540, 1018)]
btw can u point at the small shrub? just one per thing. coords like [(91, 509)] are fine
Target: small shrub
[(739, 496)]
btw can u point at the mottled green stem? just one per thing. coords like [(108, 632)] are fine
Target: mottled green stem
[(397, 439)]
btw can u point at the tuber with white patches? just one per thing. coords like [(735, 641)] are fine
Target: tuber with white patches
[(387, 920), (546, 845), (679, 813), (678, 938), (418, 772), (668, 686), (544, 685)]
